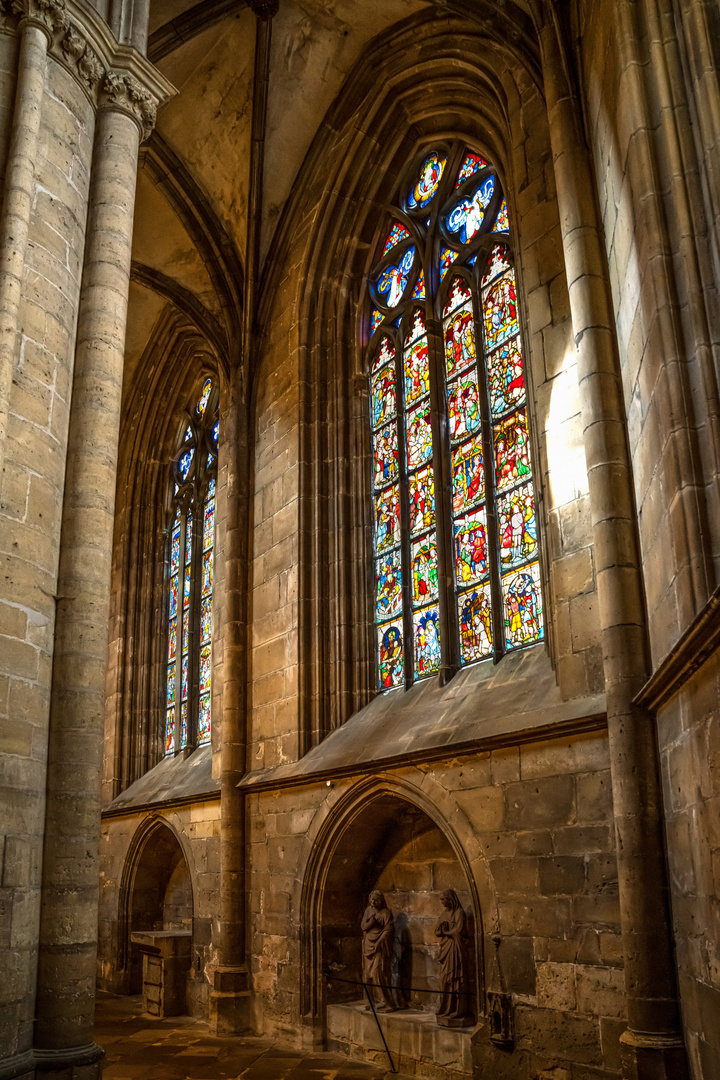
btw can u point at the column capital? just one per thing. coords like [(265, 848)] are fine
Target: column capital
[(123, 92), (49, 15)]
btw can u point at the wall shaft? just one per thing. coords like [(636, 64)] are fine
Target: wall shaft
[(653, 1041)]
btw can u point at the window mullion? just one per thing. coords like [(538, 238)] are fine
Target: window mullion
[(449, 645), (194, 619), (490, 500), (180, 644), (409, 653)]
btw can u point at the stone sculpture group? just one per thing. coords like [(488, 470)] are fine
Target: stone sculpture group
[(378, 931)]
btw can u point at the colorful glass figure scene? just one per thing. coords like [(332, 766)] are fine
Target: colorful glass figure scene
[(494, 547), (383, 395), (388, 585), (419, 436), (393, 279), (422, 501), (517, 527), (506, 377), (428, 182), (468, 475), (471, 552), (502, 224), (500, 311), (424, 569), (387, 518), (465, 219), (460, 348), (464, 406), (390, 655), (512, 450), (497, 264), (523, 610), (426, 633), (416, 370), (385, 450), (475, 616)]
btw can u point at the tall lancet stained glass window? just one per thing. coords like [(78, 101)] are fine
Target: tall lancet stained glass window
[(192, 544), (457, 568)]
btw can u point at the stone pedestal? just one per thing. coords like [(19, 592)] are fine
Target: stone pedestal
[(418, 1044), (166, 962)]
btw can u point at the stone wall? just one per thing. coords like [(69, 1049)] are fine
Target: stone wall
[(689, 731), (30, 517), (535, 825)]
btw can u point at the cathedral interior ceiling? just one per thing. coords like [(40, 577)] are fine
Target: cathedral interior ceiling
[(206, 50)]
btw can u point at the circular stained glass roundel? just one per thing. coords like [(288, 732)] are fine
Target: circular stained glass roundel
[(431, 172), (393, 280)]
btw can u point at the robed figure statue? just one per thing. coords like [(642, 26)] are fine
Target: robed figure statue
[(454, 1007), (378, 933)]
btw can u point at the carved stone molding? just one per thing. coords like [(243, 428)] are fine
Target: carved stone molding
[(121, 91), (82, 42)]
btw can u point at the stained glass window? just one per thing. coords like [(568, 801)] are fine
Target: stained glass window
[(192, 540), (447, 392)]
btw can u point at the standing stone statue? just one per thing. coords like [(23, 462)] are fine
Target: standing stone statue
[(378, 932), (453, 1010)]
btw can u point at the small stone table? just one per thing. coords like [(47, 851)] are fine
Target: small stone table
[(166, 962)]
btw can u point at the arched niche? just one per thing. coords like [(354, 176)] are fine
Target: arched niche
[(158, 893), (384, 840)]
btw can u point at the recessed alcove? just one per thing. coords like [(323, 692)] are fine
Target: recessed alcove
[(161, 898), (395, 847)]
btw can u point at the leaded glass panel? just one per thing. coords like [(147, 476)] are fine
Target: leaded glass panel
[(189, 641), (447, 390)]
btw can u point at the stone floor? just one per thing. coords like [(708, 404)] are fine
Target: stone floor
[(139, 1047)]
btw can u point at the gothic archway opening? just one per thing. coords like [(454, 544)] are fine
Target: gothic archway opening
[(393, 847), (160, 896)]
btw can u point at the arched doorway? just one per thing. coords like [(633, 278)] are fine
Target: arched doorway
[(158, 893), (385, 841)]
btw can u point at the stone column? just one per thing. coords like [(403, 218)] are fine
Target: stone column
[(36, 29), (68, 930), (230, 997), (652, 1048)]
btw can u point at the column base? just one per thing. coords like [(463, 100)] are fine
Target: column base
[(653, 1057), (76, 1063), (230, 1011)]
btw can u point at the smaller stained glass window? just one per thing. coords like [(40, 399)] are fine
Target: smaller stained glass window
[(189, 640)]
